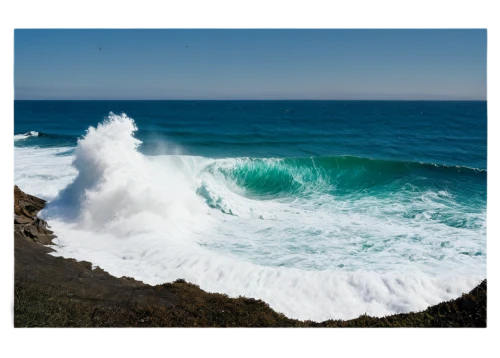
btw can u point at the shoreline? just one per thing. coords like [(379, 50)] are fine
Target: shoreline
[(53, 291)]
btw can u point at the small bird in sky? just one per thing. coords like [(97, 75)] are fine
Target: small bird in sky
[(99, 49), (186, 45)]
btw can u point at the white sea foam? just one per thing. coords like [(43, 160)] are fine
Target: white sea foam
[(147, 217), (25, 135), (119, 189), (43, 172), (303, 294)]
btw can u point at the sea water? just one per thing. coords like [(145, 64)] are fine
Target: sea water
[(323, 209)]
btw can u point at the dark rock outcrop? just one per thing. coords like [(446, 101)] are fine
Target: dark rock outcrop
[(26, 223)]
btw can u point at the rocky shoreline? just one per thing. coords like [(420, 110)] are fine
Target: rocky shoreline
[(57, 292)]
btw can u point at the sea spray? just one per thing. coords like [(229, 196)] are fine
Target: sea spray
[(117, 187)]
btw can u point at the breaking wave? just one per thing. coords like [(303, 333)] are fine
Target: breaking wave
[(25, 135), (316, 238)]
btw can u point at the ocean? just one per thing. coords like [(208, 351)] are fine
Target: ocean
[(323, 209)]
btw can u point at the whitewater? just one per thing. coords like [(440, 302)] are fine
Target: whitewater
[(309, 236)]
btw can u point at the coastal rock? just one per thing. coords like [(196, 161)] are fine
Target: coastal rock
[(26, 223), (30, 231), (25, 204), (22, 220)]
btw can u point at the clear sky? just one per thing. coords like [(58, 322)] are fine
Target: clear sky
[(250, 64)]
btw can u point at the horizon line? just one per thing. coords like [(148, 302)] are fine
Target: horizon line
[(298, 99)]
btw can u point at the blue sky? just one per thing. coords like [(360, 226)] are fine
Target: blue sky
[(250, 64)]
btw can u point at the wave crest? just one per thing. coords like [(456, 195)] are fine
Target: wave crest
[(26, 135), (117, 187), (270, 178)]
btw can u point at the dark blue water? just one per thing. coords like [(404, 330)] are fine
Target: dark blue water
[(439, 132)]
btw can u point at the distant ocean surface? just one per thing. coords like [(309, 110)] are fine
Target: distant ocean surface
[(323, 209)]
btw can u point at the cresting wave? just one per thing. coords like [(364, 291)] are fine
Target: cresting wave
[(26, 135), (340, 174), (315, 238)]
